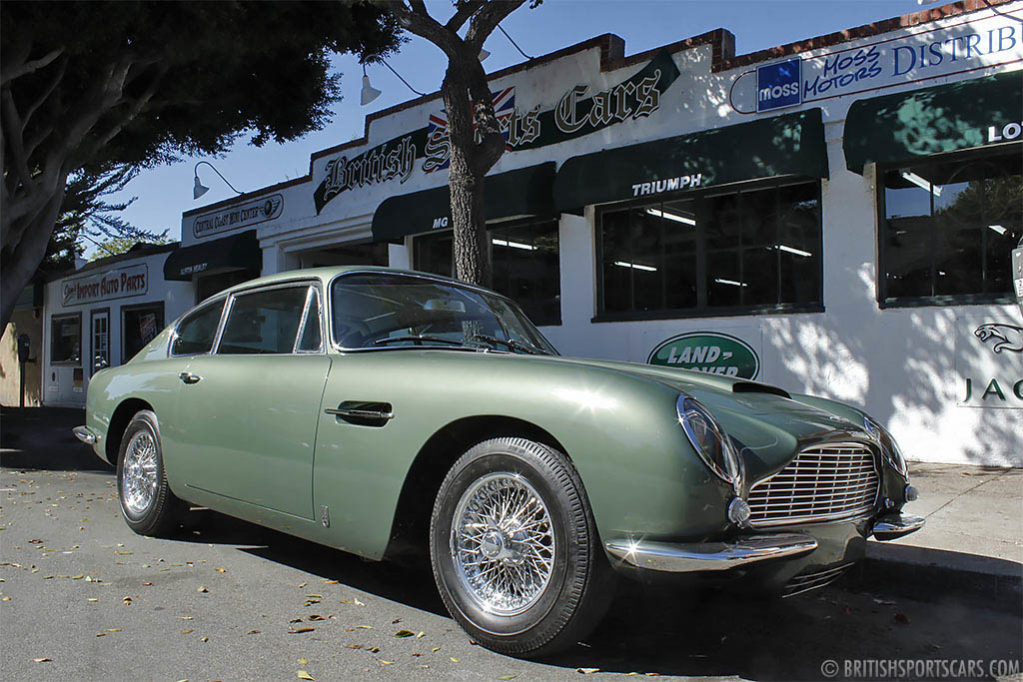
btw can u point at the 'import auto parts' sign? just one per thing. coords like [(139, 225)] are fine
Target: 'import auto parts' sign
[(709, 352)]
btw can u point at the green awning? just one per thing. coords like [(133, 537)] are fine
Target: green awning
[(236, 252), (792, 144), (934, 120), (525, 192)]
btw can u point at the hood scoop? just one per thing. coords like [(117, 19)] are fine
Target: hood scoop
[(754, 387)]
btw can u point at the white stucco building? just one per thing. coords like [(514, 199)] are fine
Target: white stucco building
[(833, 216)]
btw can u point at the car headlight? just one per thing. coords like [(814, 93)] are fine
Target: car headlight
[(889, 447), (709, 440)]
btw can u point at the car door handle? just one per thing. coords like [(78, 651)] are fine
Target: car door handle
[(363, 413), (190, 378)]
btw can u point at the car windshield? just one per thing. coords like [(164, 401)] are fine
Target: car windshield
[(373, 310)]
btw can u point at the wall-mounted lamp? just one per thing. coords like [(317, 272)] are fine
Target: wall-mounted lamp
[(199, 189)]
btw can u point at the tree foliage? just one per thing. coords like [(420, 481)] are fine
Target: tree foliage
[(87, 84)]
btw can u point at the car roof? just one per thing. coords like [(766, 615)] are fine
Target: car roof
[(325, 274)]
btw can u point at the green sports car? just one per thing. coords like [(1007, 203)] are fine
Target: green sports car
[(383, 412)]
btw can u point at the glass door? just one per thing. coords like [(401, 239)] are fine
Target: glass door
[(100, 340)]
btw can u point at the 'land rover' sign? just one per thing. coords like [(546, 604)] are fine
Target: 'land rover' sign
[(709, 352)]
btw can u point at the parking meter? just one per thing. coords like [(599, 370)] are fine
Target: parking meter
[(24, 348)]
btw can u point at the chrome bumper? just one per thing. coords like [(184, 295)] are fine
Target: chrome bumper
[(896, 525), (673, 557), (84, 434)]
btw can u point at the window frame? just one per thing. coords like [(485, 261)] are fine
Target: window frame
[(702, 310), (289, 284), (124, 327), (66, 363), (881, 232)]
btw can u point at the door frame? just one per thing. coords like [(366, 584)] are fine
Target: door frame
[(93, 314)]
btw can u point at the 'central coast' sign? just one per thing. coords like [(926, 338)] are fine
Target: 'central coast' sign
[(710, 352)]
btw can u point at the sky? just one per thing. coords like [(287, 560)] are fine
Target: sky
[(163, 193)]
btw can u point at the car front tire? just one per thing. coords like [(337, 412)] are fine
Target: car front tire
[(514, 549), (147, 503)]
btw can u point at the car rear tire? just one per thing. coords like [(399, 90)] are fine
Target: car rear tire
[(147, 503), (515, 551)]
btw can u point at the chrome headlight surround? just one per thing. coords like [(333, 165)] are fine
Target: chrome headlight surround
[(709, 440), (889, 448)]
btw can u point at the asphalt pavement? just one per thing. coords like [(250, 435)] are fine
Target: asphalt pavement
[(84, 598)]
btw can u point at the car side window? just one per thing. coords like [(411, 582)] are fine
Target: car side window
[(197, 330), (263, 322), (311, 335)]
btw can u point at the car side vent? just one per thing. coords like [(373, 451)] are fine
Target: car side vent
[(754, 387)]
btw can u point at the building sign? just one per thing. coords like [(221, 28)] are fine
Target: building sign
[(989, 364), (235, 217), (710, 352), (104, 286), (779, 85), (938, 52), (575, 115)]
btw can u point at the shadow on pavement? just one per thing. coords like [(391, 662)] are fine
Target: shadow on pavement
[(40, 438), (671, 630)]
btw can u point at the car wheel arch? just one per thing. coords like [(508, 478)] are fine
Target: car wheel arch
[(409, 538), (119, 421)]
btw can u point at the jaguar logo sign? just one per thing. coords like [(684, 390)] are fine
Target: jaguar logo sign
[(710, 352), (1005, 337)]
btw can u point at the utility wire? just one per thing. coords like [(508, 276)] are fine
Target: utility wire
[(421, 94), (512, 41)]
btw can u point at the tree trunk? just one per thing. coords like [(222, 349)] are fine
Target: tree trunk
[(20, 263)]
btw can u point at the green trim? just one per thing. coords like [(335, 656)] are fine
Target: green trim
[(788, 145), (525, 192), (935, 120)]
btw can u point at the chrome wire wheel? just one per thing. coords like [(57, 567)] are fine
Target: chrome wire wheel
[(503, 543), (139, 471)]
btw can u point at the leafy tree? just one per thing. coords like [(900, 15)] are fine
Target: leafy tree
[(476, 142), (115, 246), (87, 84)]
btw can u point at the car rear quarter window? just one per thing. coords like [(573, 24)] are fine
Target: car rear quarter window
[(264, 322), (197, 330)]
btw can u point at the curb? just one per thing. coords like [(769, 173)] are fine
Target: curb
[(935, 575)]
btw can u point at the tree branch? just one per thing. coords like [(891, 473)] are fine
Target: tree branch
[(25, 68), (484, 23), (465, 10), (46, 93), (418, 21), (15, 130)]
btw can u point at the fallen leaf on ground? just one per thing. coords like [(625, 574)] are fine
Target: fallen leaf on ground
[(185, 617), (220, 570), (373, 649), (587, 671), (453, 659), (303, 675), (101, 634), (901, 619), (404, 633), (316, 617), (385, 662), (202, 588), (365, 627), (204, 639), (420, 635), (303, 661), (300, 630), (113, 629), (507, 677), (92, 599), (39, 660), (185, 632), (354, 646), (253, 632)]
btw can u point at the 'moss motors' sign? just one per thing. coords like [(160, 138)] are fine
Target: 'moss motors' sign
[(121, 283)]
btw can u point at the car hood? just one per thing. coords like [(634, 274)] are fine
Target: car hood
[(769, 424)]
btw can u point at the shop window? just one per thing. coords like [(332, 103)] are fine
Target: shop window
[(66, 339), (140, 325), (745, 251), (525, 260), (196, 332), (948, 229), (263, 322)]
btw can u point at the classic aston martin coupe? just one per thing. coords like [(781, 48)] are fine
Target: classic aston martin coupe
[(380, 411)]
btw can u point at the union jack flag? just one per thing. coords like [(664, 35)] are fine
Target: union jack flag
[(504, 108)]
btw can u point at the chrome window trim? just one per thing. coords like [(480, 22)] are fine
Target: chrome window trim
[(210, 302), (314, 291), (259, 289), (439, 279)]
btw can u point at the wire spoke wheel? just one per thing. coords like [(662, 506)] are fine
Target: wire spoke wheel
[(503, 543), (140, 472)]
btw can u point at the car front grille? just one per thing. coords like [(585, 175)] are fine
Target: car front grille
[(811, 580), (823, 483)]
